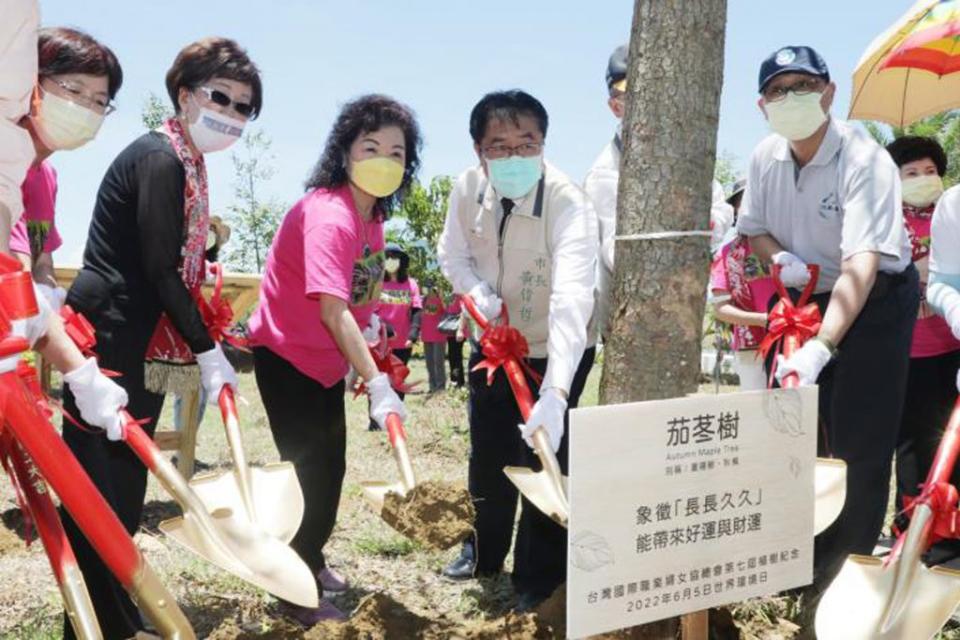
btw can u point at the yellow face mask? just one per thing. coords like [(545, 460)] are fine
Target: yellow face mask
[(379, 176)]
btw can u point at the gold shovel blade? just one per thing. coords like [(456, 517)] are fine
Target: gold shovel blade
[(376, 492), (267, 562), (538, 487), (277, 497), (854, 606), (830, 482)]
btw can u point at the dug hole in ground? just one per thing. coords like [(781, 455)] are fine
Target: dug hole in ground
[(396, 586)]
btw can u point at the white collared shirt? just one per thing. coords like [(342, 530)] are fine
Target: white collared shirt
[(544, 267), (845, 201), (18, 76)]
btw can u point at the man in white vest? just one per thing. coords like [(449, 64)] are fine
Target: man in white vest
[(521, 235)]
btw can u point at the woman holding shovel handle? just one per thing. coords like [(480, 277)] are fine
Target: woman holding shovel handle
[(320, 287), (142, 271)]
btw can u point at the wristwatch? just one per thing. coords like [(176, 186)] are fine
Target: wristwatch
[(832, 348)]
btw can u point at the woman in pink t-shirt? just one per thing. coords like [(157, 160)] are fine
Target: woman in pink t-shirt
[(399, 307), (320, 286), (433, 341), (935, 353)]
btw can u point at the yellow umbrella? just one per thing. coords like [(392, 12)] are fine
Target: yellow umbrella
[(911, 71)]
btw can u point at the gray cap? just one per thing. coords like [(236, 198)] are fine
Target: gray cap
[(617, 66), (738, 188)]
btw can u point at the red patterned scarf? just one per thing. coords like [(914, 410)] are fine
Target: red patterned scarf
[(170, 366)]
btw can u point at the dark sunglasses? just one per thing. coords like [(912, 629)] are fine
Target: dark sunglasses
[(245, 109)]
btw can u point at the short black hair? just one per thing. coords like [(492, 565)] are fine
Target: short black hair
[(61, 50), (210, 58), (364, 115), (907, 149), (505, 105)]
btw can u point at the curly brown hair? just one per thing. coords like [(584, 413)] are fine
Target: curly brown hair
[(364, 115)]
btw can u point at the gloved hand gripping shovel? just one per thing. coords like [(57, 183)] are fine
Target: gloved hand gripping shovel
[(794, 323), (503, 345), (898, 597)]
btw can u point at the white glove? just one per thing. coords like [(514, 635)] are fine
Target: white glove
[(372, 333), (807, 362), (32, 329), (215, 372), (793, 270), (55, 296), (958, 380), (488, 303), (98, 397), (547, 413), (384, 400)]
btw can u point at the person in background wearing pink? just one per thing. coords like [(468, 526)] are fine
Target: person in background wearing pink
[(740, 290), (320, 287), (400, 307), (433, 340), (455, 343), (935, 352)]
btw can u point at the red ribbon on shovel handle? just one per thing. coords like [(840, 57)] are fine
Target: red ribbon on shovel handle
[(790, 325)]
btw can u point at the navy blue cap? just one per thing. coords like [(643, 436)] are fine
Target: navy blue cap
[(617, 65), (793, 60)]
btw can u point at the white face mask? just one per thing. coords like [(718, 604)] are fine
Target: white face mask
[(62, 125), (922, 191), (214, 131), (796, 117), (392, 265)]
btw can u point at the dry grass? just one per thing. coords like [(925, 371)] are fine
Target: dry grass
[(367, 551)]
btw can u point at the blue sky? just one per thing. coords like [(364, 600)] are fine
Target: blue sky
[(439, 57)]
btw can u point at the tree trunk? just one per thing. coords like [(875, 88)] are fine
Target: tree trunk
[(669, 147)]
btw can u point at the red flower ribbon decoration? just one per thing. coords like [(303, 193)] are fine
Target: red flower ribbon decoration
[(501, 343), (389, 364), (217, 314), (787, 321), (942, 498)]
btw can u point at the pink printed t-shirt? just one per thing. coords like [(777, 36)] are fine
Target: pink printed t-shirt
[(36, 232), (737, 271), (397, 299), (322, 246), (432, 312), (931, 335)]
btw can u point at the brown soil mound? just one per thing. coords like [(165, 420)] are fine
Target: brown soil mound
[(513, 626), (377, 617), (435, 514)]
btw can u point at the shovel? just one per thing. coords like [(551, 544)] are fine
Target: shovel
[(375, 491), (270, 496), (830, 474), (546, 489), (900, 598), (225, 537)]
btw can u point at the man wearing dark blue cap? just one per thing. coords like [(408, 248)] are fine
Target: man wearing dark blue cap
[(820, 191)]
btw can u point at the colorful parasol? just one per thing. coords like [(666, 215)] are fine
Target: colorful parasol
[(911, 71)]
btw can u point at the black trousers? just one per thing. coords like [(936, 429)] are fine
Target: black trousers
[(455, 360), (117, 473), (309, 427), (540, 551), (931, 394), (860, 403)]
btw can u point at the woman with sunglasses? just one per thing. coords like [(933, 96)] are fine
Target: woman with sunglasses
[(320, 287), (142, 270)]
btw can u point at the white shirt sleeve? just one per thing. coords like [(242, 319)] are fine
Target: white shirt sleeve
[(721, 217), (873, 211), (574, 278), (943, 291), (601, 187), (18, 62), (752, 218), (453, 252)]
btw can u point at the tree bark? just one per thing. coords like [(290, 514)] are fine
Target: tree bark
[(669, 148)]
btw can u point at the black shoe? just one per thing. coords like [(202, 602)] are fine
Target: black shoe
[(373, 426), (528, 601), (462, 568)]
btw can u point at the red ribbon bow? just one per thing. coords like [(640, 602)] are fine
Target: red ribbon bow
[(501, 343), (942, 498), (801, 323), (389, 364), (217, 314)]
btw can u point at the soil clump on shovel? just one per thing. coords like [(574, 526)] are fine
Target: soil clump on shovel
[(435, 514)]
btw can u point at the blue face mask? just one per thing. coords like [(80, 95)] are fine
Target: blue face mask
[(515, 177)]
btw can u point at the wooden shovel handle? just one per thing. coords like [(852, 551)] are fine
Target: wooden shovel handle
[(398, 440), (241, 471)]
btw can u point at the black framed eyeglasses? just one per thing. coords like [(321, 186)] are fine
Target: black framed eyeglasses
[(525, 150), (219, 98), (798, 88)]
